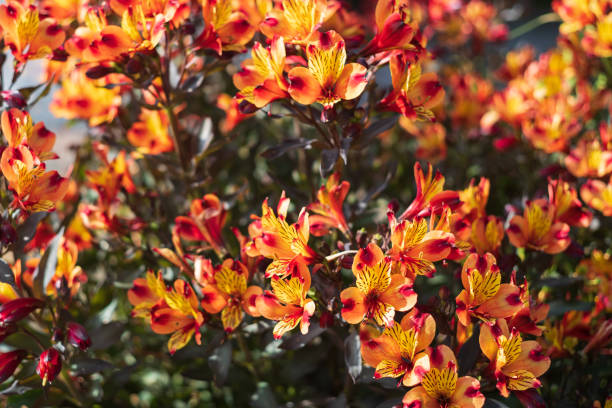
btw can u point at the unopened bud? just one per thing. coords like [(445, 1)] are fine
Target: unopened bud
[(49, 365), (9, 362), (77, 336), (15, 310)]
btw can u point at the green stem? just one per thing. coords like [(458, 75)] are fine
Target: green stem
[(533, 24)]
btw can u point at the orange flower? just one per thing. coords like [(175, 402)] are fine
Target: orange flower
[(28, 36), (394, 28), (35, 189), (260, 79), (287, 303), (414, 94), (67, 273), (568, 208), (431, 198), (517, 364), (440, 386), (168, 310), (328, 207), (98, 41), (328, 79), (538, 228), (597, 39), (83, 98), (18, 129), (484, 296), (204, 223), (415, 247), (228, 289), (227, 27), (399, 351), (598, 195), (378, 293), (487, 234), (150, 134), (297, 20), (286, 244), (591, 157)]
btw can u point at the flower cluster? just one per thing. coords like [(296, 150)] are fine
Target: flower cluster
[(485, 281)]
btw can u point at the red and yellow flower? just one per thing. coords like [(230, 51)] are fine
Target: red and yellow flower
[(516, 364), (441, 387), (204, 223), (227, 292), (400, 351), (297, 21), (26, 34), (328, 208), (415, 246), (288, 303), (285, 244), (414, 94), (328, 78), (539, 229), (168, 310), (378, 293), (484, 296)]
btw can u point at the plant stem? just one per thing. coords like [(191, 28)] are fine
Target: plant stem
[(339, 254), (533, 24)]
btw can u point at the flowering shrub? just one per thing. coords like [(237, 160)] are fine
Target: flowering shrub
[(306, 203)]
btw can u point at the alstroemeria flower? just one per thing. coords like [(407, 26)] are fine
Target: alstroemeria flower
[(431, 198), (18, 129), (597, 39), (34, 188), (230, 282), (67, 272), (169, 310), (260, 79), (378, 293), (415, 246), (287, 303), (328, 78), (329, 207), (394, 28), (591, 158), (413, 94), (568, 207), (204, 223), (531, 312), (98, 41), (275, 239), (487, 234), (484, 296), (150, 134), (227, 27), (26, 34), (297, 21), (399, 351), (441, 387), (538, 228), (83, 98), (516, 364), (598, 195)]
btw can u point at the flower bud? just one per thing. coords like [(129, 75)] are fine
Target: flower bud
[(13, 99), (17, 309), (9, 362), (8, 234), (77, 336), (99, 71), (49, 365)]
